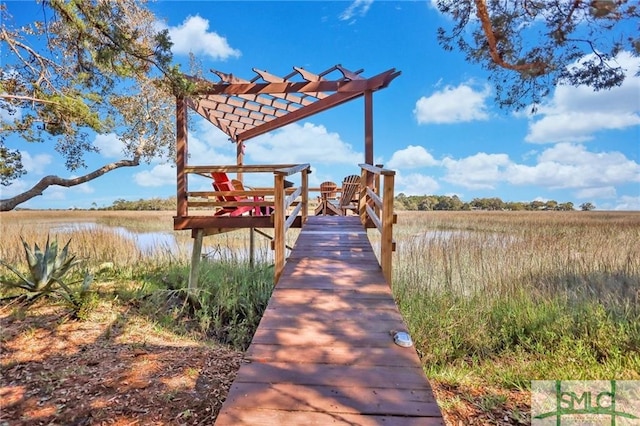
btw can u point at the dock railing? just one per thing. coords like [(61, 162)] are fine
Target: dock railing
[(282, 220), (377, 209), (213, 199), (289, 206)]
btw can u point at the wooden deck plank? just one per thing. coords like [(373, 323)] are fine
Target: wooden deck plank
[(332, 302), (345, 327), (320, 337), (324, 352), (338, 353), (258, 417), (404, 377), (305, 313), (365, 400)]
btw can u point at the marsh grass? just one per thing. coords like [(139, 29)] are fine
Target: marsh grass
[(229, 301), (505, 298), (493, 300), (231, 296)]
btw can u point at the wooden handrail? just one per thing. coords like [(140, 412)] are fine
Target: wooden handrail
[(377, 169), (282, 202), (290, 170), (374, 197), (374, 217), (190, 198), (215, 203), (379, 211), (237, 169), (246, 193)]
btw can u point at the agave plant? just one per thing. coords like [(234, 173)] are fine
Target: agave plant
[(46, 268)]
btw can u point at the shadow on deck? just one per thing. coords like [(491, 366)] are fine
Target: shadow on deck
[(324, 351)]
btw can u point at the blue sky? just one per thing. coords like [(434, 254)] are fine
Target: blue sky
[(436, 124)]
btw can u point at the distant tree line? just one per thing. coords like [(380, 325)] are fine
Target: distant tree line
[(150, 204), (401, 202), (445, 202)]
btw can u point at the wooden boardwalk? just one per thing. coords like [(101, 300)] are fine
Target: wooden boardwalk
[(324, 352)]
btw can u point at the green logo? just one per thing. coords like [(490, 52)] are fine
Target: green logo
[(614, 403)]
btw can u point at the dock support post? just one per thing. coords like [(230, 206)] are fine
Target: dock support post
[(386, 242), (252, 247), (279, 216), (195, 260)]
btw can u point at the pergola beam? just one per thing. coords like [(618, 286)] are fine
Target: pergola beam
[(347, 86), (244, 109)]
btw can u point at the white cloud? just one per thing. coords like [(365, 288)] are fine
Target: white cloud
[(572, 166), (575, 114), (35, 164), (479, 171), (58, 193), (211, 149), (357, 8), (627, 202), (159, 175), (9, 116), (306, 143), (416, 184), (194, 36), (453, 105), (598, 192), (84, 188), (16, 187), (55, 193), (210, 134), (577, 126), (411, 157), (110, 145)]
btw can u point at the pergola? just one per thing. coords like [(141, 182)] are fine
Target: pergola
[(244, 109)]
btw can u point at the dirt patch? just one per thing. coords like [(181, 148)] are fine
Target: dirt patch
[(119, 367), (482, 405), (115, 368)]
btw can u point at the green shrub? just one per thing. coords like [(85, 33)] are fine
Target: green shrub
[(46, 270)]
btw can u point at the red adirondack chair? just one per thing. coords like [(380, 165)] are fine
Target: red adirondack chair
[(221, 182)]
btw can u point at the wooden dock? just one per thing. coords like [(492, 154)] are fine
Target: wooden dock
[(324, 352)]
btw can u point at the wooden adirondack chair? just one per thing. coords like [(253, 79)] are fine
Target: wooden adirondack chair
[(327, 195), (221, 182), (348, 200), (350, 194)]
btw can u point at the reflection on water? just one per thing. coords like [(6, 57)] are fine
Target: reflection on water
[(150, 243), (147, 242)]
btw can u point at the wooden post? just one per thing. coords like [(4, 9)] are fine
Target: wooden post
[(376, 188), (386, 239), (195, 260), (252, 247), (239, 158), (181, 156), (362, 199), (305, 195), (278, 226), (368, 127), (368, 134)]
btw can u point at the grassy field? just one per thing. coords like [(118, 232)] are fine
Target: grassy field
[(497, 299), (493, 300)]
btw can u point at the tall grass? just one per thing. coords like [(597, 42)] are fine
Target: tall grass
[(228, 303), (490, 297), (505, 298)]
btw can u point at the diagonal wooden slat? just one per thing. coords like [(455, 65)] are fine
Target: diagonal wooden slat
[(247, 108)]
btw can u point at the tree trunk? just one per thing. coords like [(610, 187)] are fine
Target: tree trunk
[(11, 203)]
